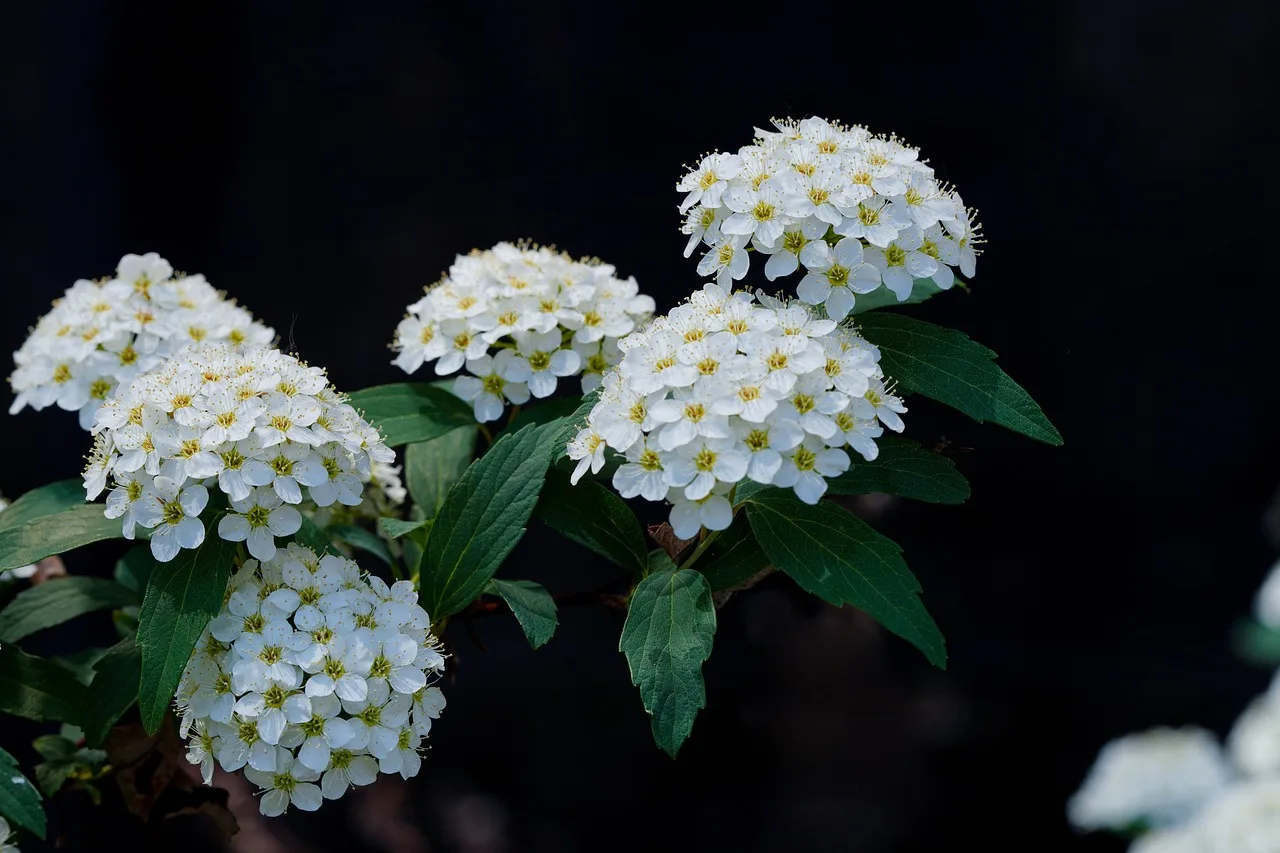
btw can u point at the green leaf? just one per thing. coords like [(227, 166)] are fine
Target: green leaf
[(37, 538), (312, 535), (80, 663), (36, 688), (837, 557), (358, 537), (59, 600), (182, 597), (944, 364), (905, 469), (483, 518), (575, 422), (668, 633), (394, 528), (46, 500), (533, 606), (54, 747), (658, 561), (1256, 643), (114, 688), (734, 558), (19, 800), (407, 412), (594, 517), (134, 569), (922, 289), (432, 467)]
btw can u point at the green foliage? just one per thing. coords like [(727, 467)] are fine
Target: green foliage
[(658, 561), (19, 800), (59, 600), (1256, 643), (312, 536), (408, 412), (906, 469), (533, 606), (734, 558), (838, 558), (569, 426), (394, 528), (46, 500), (922, 289), (483, 517), (183, 595), (115, 685), (944, 364), (35, 688), (432, 467), (594, 517), (134, 569), (668, 634), (545, 411), (358, 537), (45, 535), (63, 758)]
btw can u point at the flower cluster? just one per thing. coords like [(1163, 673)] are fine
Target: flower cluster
[(257, 423), (313, 672), (856, 210), (1245, 818), (520, 318), (104, 333), (730, 387)]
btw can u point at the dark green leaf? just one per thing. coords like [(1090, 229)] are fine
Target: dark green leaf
[(944, 364), (52, 775), (33, 540), (54, 747), (1256, 643), (183, 595), (46, 500), (882, 297), (572, 424), (80, 663), (311, 535), (358, 537), (595, 518), (670, 626), (19, 800), (113, 689), (134, 568), (483, 518), (734, 558), (658, 561), (394, 528), (407, 412), (906, 469), (58, 600), (432, 467), (533, 606), (36, 688), (837, 557)]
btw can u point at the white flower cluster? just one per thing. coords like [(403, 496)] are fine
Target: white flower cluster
[(1244, 819), (1266, 604), (854, 209), (313, 672), (520, 318), (256, 422), (22, 572), (726, 388), (1254, 742), (1156, 778), (103, 333)]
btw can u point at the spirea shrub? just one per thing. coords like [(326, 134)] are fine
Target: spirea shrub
[(304, 552)]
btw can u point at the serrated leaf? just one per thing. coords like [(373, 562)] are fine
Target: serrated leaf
[(922, 289), (134, 569), (394, 528), (407, 412), (575, 422), (483, 518), (532, 605), (358, 537), (19, 799), (837, 557), (670, 625), (905, 469), (59, 600), (115, 686), (734, 558), (313, 536), (46, 500), (36, 688), (594, 517), (58, 533), (432, 467), (944, 364), (182, 597)]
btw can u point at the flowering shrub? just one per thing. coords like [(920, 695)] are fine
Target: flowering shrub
[(304, 549)]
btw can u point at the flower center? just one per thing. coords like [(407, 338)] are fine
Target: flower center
[(845, 421), (331, 466), (189, 448), (274, 697), (838, 275), (540, 361), (803, 403), (757, 440), (868, 215), (270, 655), (128, 355), (833, 367), (370, 716), (737, 326), (708, 366), (763, 211), (381, 667), (282, 465), (895, 256), (466, 302), (173, 512), (254, 623), (100, 389), (747, 393), (313, 727), (196, 333), (493, 384), (62, 374), (649, 460), (233, 459), (462, 340), (284, 782), (725, 253), (135, 415), (873, 398), (663, 363), (257, 516), (805, 458), (777, 360), (281, 422), (225, 419), (133, 490), (592, 318), (708, 218), (708, 180), (695, 412), (334, 669), (817, 195), (826, 146), (705, 460)]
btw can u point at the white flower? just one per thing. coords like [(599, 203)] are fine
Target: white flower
[(6, 846), (174, 514), (1160, 777), (727, 260), (546, 362), (643, 474), (1254, 742), (806, 468), (702, 224), (258, 519), (714, 512), (347, 768), (835, 275), (708, 182), (1246, 817), (879, 402), (901, 262), (587, 448), (291, 782), (757, 211), (784, 254), (700, 465)]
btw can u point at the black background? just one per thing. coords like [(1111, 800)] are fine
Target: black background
[(323, 163)]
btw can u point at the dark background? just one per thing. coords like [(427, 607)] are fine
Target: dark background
[(322, 164)]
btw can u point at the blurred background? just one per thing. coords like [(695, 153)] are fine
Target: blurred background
[(322, 164)]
